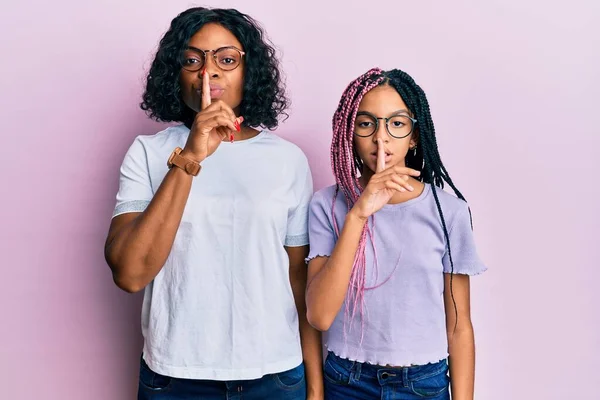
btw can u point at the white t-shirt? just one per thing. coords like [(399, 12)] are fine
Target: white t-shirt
[(222, 307)]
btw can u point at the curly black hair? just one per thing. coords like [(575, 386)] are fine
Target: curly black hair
[(264, 98)]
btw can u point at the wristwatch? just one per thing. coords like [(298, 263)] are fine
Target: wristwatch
[(189, 166)]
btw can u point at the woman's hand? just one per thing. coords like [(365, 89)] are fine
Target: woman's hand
[(213, 124)]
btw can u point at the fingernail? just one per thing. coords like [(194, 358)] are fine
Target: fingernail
[(411, 188), (231, 137), (203, 70), (237, 126), (241, 119)]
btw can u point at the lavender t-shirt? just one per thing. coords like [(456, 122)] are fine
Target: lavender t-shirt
[(404, 321)]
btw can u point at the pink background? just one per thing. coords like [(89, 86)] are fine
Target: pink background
[(514, 93)]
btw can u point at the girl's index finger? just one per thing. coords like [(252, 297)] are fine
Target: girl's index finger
[(205, 101), (380, 156)]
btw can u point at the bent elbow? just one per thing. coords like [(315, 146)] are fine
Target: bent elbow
[(127, 280), (124, 273), (318, 321), (128, 285)]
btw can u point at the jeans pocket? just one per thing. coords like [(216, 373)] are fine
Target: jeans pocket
[(431, 386), (335, 373), (150, 380), (291, 379)]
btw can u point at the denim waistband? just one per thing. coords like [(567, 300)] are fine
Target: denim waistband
[(388, 374)]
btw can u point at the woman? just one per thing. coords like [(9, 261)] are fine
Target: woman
[(211, 220)]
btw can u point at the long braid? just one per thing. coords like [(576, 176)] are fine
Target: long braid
[(346, 164), (433, 170)]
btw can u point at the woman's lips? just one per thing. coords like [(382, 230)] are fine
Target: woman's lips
[(216, 91)]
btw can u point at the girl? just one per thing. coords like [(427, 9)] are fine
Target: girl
[(211, 220), (391, 253)]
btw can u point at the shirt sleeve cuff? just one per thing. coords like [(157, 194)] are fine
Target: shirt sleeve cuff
[(472, 269), (296, 240), (130, 206)]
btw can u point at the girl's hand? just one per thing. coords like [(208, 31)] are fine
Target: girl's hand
[(382, 186)]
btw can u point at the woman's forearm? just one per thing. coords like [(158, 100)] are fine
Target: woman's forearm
[(312, 352), (137, 248)]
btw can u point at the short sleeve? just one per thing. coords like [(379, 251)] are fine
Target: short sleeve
[(320, 228), (297, 226), (462, 246), (135, 190)]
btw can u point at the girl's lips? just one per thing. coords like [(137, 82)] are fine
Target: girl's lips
[(387, 153), (388, 157)]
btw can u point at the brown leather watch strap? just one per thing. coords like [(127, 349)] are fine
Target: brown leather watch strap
[(191, 167)]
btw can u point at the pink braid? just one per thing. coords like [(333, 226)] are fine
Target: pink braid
[(345, 172)]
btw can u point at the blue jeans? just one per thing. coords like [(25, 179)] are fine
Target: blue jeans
[(287, 385), (345, 380)]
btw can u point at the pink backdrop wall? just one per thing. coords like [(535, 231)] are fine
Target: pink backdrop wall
[(514, 93)]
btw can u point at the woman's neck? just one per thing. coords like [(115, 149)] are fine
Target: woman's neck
[(246, 133)]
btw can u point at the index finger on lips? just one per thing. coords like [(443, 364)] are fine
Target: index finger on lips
[(205, 100), (380, 156)]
